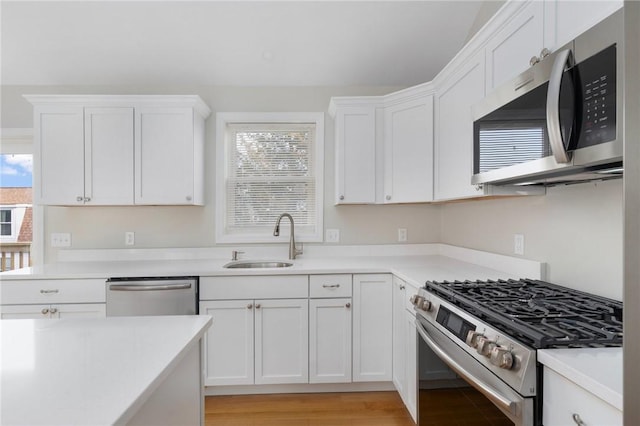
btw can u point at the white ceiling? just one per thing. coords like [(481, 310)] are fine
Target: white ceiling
[(240, 43)]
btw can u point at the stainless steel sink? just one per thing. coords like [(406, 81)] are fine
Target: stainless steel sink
[(250, 264)]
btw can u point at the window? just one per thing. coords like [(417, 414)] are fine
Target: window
[(5, 223), (269, 164)]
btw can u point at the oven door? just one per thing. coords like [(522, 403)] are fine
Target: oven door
[(453, 388)]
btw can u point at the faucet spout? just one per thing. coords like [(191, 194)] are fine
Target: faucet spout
[(293, 250)]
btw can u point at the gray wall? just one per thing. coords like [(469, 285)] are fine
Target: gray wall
[(576, 229)]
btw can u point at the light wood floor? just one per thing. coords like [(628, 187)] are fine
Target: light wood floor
[(316, 409)]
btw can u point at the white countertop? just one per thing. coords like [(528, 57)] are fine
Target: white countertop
[(88, 371), (597, 370), (425, 262)]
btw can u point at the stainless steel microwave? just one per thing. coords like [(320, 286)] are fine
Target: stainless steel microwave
[(560, 121)]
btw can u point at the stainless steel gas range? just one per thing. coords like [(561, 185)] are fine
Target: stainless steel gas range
[(486, 334)]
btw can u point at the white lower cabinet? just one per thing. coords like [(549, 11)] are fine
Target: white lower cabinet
[(404, 345), (63, 310), (256, 341), (330, 340), (372, 328), (567, 403), (281, 341), (229, 342)]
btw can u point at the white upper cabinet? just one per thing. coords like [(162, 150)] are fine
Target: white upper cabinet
[(384, 147), (108, 156), (87, 148), (510, 50), (454, 131), (355, 156), (408, 150), (169, 156), (566, 19)]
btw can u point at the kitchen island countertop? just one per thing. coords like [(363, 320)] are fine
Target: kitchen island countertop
[(90, 371)]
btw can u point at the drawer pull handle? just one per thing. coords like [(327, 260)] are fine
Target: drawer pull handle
[(330, 285), (51, 291), (577, 419), (45, 311)]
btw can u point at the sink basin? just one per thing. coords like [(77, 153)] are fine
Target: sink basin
[(250, 264)]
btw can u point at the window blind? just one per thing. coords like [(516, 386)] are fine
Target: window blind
[(270, 171), (502, 147)]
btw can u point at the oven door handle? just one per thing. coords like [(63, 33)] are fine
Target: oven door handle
[(495, 396)]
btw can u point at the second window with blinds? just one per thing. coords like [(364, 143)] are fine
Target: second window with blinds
[(268, 164)]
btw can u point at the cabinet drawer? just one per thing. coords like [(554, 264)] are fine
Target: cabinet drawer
[(330, 285), (18, 292), (254, 287)]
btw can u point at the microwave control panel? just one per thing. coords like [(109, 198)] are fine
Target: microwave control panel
[(597, 78)]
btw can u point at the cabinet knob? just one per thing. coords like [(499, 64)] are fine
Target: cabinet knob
[(249, 306), (45, 311), (188, 197), (401, 287), (80, 199), (577, 419), (479, 187), (348, 305), (544, 53), (87, 199), (54, 310), (341, 197), (388, 197), (258, 306)]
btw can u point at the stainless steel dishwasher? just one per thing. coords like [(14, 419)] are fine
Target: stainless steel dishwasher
[(152, 296)]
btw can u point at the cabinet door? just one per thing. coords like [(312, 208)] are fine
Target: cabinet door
[(454, 131), (58, 171), (228, 344), (164, 155), (411, 353), (399, 338), (282, 341), (78, 310), (408, 151), (564, 20), (372, 327), (355, 162), (24, 312), (510, 50), (108, 156), (330, 340)]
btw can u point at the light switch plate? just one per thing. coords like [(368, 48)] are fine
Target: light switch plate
[(60, 239), (332, 236), (518, 244), (402, 235), (129, 238)]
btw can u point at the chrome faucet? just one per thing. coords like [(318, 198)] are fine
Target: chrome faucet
[(293, 250)]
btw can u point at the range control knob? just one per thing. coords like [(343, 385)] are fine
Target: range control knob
[(485, 346), (472, 338), (416, 300), (502, 357), (425, 305)]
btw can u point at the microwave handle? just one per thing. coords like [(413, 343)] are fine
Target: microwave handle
[(553, 107)]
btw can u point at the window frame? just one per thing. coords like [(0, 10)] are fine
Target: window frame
[(12, 236), (222, 142)]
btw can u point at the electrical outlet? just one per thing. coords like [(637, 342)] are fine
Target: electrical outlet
[(129, 238), (60, 239), (332, 236), (402, 235), (518, 244)]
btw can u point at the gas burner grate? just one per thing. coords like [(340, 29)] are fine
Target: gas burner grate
[(542, 314)]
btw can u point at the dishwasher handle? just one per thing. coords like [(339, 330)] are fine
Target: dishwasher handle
[(162, 287)]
